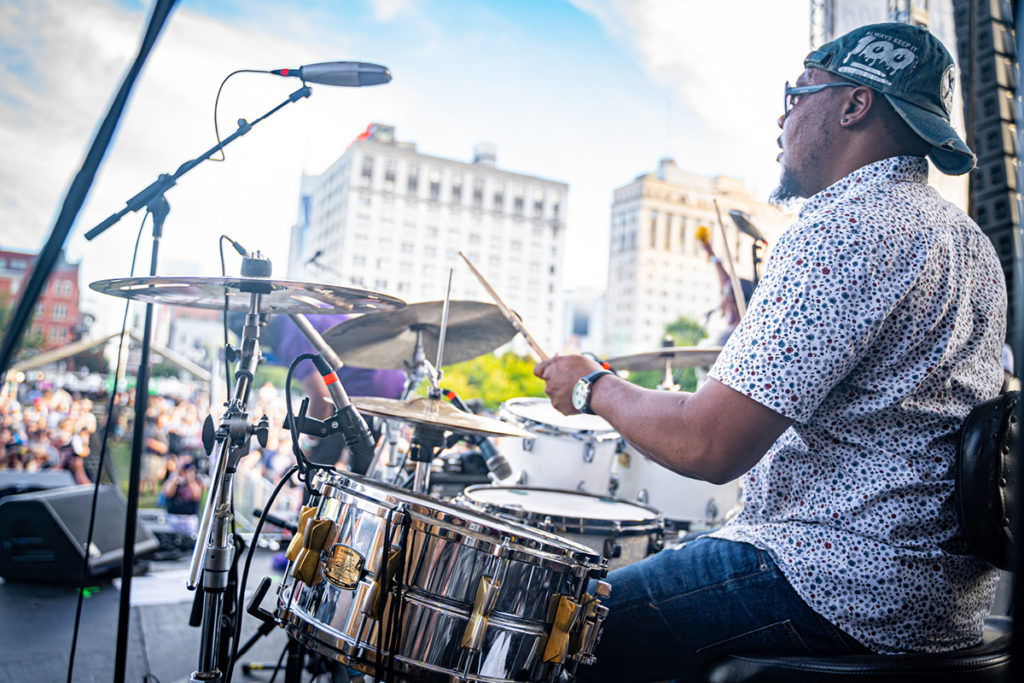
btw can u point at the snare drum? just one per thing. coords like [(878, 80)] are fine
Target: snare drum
[(621, 531), (465, 596), (687, 503), (572, 453)]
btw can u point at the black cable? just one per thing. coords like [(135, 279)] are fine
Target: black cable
[(103, 457), (304, 463), (224, 317), (278, 667), (216, 103), (245, 571)]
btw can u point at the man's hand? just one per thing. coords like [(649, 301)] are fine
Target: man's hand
[(560, 375)]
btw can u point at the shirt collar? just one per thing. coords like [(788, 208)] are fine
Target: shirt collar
[(894, 169)]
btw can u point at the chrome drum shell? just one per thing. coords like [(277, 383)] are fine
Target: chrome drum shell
[(449, 552)]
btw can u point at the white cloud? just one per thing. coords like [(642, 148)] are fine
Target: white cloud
[(724, 62)]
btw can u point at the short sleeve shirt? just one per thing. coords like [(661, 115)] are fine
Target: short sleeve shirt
[(877, 327)]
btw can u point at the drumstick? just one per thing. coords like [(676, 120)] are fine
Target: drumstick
[(511, 315), (737, 288)]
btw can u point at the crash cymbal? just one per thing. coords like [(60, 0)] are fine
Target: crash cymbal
[(433, 412), (388, 341), (279, 296), (676, 356)]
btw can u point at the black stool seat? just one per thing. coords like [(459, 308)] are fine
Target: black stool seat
[(988, 662)]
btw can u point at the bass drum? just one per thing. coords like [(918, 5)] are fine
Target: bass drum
[(621, 531), (462, 595), (686, 503), (572, 453)]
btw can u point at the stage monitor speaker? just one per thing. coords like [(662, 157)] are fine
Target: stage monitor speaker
[(42, 534)]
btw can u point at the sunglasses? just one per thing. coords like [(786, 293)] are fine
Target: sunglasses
[(793, 94)]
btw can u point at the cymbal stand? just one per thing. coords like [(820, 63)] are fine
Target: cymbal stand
[(427, 442), (213, 551), (668, 382)]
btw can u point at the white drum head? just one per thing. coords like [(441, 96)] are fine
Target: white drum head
[(566, 504), (540, 410)]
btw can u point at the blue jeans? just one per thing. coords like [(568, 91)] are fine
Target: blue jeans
[(675, 612)]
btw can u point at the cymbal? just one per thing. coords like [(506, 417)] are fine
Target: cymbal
[(433, 412), (388, 341), (676, 356), (279, 296)]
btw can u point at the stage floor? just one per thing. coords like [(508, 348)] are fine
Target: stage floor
[(37, 620)]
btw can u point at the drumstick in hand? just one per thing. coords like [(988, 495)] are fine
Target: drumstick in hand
[(511, 315)]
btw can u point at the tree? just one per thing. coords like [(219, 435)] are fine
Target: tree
[(494, 379), (684, 332)]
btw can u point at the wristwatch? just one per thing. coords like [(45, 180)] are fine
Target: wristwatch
[(581, 392)]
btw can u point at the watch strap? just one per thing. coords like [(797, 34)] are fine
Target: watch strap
[(590, 380)]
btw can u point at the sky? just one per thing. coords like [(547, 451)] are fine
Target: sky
[(588, 92)]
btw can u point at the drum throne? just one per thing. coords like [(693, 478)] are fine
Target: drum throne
[(986, 471)]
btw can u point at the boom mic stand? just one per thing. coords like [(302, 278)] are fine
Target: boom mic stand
[(152, 197)]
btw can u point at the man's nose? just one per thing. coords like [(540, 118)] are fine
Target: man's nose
[(782, 120)]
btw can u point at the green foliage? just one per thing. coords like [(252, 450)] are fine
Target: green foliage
[(276, 375), (495, 379), (684, 332)]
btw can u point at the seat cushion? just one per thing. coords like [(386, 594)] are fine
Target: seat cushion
[(987, 662)]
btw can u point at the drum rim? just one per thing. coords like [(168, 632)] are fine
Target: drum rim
[(574, 524), (548, 428), (534, 546)]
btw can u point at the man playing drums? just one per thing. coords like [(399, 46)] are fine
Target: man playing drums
[(878, 326)]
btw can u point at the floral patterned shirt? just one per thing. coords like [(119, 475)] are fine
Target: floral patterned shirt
[(877, 327)]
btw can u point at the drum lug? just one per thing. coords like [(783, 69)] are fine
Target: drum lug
[(528, 445), (308, 566), (567, 614), (588, 452), (612, 549), (486, 596), (643, 497)]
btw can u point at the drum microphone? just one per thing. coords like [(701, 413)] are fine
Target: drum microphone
[(345, 74), (351, 424), (495, 461)]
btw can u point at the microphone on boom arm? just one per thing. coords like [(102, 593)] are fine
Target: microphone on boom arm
[(345, 74)]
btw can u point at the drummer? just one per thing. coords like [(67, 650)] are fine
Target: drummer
[(878, 326)]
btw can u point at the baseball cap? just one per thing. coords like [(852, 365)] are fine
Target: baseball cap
[(914, 71)]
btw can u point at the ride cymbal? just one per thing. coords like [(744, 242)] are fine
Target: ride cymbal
[(675, 356), (278, 296)]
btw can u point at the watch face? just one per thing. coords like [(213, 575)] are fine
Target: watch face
[(580, 394)]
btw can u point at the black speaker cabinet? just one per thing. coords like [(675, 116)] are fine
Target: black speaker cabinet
[(42, 534)]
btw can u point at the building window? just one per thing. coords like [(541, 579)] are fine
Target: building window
[(478, 193), (17, 265), (668, 232), (414, 180), (390, 170), (457, 190), (538, 208), (435, 189), (654, 229), (408, 247), (367, 172), (517, 207), (60, 312), (499, 197), (40, 310)]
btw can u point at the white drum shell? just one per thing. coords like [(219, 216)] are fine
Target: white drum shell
[(573, 453), (696, 504), (622, 531)]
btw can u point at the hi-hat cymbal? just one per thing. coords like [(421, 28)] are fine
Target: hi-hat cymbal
[(388, 341), (433, 412), (278, 296), (675, 356)]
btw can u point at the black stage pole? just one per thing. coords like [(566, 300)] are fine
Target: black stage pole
[(158, 208)]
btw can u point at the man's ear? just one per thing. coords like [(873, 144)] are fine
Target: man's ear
[(857, 105)]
